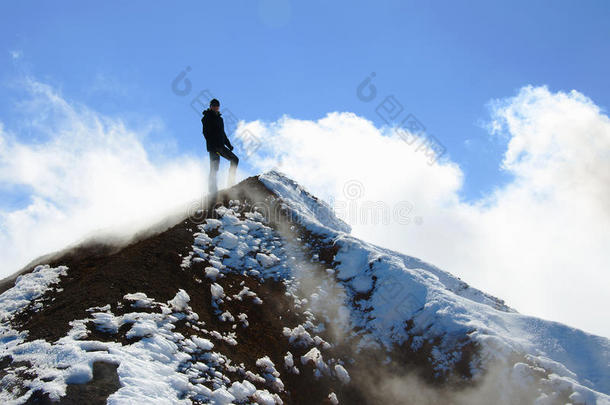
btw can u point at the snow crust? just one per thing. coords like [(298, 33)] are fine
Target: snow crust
[(400, 289), (160, 366), (28, 287), (303, 207)]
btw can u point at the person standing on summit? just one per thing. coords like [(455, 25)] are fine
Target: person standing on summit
[(217, 144)]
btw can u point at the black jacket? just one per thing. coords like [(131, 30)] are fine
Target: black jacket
[(214, 130)]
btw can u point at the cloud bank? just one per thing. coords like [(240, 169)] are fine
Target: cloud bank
[(540, 242), (81, 173)]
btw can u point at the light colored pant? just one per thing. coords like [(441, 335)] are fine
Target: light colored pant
[(215, 163)]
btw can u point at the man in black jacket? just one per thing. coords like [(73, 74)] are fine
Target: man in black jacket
[(217, 144)]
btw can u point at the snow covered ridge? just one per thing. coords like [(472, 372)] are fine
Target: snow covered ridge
[(249, 246), (163, 352), (248, 310), (398, 300), (304, 208)]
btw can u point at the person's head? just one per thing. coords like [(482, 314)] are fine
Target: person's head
[(215, 104)]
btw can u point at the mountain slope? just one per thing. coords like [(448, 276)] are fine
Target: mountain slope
[(262, 296)]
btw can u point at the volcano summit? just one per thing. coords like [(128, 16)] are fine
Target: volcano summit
[(263, 296)]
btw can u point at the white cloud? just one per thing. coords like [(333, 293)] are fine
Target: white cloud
[(82, 172), (541, 242)]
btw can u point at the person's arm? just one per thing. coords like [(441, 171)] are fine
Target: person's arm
[(227, 142), (205, 127), (224, 134)]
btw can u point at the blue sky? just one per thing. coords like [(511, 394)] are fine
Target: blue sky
[(443, 61)]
